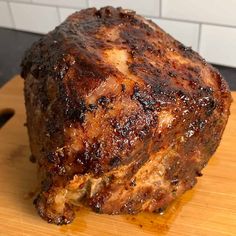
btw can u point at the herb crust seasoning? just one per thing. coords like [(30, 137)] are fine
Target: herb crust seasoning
[(121, 117)]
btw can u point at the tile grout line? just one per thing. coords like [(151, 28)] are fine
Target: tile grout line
[(16, 1), (11, 14), (46, 5), (160, 10), (58, 15), (192, 22), (199, 37), (87, 3)]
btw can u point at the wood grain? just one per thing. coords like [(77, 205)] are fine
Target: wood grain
[(208, 209)]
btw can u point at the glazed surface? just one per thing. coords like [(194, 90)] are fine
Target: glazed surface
[(121, 116)]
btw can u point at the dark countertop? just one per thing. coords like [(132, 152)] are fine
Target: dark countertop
[(13, 44)]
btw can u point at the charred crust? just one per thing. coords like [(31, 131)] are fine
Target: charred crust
[(32, 158), (115, 161), (186, 51), (46, 184), (103, 101), (97, 207), (123, 87), (145, 99), (75, 110), (62, 54), (92, 107), (55, 157), (198, 173), (174, 181), (66, 66), (172, 73), (91, 159), (96, 202), (124, 130), (133, 182), (48, 214), (146, 71), (52, 127), (160, 210)]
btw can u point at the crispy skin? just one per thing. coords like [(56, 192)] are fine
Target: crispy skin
[(121, 117)]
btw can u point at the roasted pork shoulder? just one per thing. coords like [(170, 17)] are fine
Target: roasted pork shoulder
[(121, 116)]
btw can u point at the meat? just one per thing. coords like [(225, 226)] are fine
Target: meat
[(121, 117)]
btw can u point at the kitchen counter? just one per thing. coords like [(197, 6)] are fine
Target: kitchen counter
[(13, 44)]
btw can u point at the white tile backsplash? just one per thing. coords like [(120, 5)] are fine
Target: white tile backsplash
[(5, 15), (39, 19), (64, 3), (209, 11), (65, 12), (218, 44), (145, 7), (180, 18), (187, 33)]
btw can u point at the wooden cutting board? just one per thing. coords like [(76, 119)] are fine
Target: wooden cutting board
[(208, 209)]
